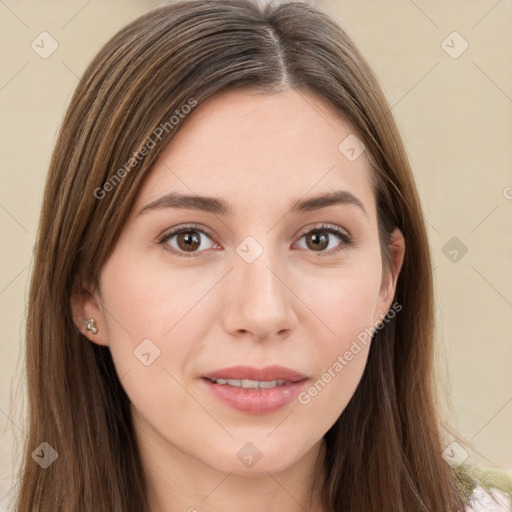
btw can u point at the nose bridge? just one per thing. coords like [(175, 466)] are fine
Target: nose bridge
[(256, 267), (260, 302)]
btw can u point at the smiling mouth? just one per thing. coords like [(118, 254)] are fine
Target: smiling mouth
[(255, 397), (252, 384)]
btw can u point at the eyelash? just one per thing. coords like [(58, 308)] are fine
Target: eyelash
[(347, 240)]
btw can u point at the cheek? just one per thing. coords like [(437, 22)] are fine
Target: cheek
[(344, 303), (344, 300), (146, 299), (148, 311), (151, 315)]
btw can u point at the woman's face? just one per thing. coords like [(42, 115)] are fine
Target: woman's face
[(246, 281)]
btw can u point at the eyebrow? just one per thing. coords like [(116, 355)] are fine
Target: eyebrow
[(221, 207)]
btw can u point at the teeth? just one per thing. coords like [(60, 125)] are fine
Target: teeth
[(246, 383), (265, 384), (251, 384)]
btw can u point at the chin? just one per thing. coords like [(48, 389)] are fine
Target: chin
[(257, 458)]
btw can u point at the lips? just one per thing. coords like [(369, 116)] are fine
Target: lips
[(237, 387), (268, 373)]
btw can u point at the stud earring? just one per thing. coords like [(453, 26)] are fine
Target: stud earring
[(91, 325)]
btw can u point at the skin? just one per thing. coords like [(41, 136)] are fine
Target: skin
[(294, 305)]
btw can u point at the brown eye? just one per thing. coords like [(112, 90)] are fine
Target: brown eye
[(186, 241), (322, 240)]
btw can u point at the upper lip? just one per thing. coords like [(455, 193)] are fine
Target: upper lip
[(268, 373)]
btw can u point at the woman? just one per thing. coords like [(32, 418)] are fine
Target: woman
[(231, 304)]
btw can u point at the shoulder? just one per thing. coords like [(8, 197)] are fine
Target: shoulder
[(485, 489), (493, 501)]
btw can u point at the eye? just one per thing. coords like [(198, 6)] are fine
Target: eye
[(187, 240), (319, 238)]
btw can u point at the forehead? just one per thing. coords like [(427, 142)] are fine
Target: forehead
[(256, 148)]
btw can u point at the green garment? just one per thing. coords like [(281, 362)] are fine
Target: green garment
[(469, 476)]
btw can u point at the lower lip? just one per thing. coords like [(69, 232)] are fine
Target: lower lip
[(255, 401)]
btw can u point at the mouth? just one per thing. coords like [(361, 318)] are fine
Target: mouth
[(252, 384), (250, 374), (255, 391)]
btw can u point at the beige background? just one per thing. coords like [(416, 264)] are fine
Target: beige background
[(455, 115)]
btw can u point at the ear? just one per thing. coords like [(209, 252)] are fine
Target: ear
[(85, 304), (390, 278)]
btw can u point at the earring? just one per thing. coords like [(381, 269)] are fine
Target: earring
[(91, 325)]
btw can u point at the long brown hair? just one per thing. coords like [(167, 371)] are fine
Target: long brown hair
[(384, 453)]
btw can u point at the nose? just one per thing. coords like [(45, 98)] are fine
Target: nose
[(260, 301)]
